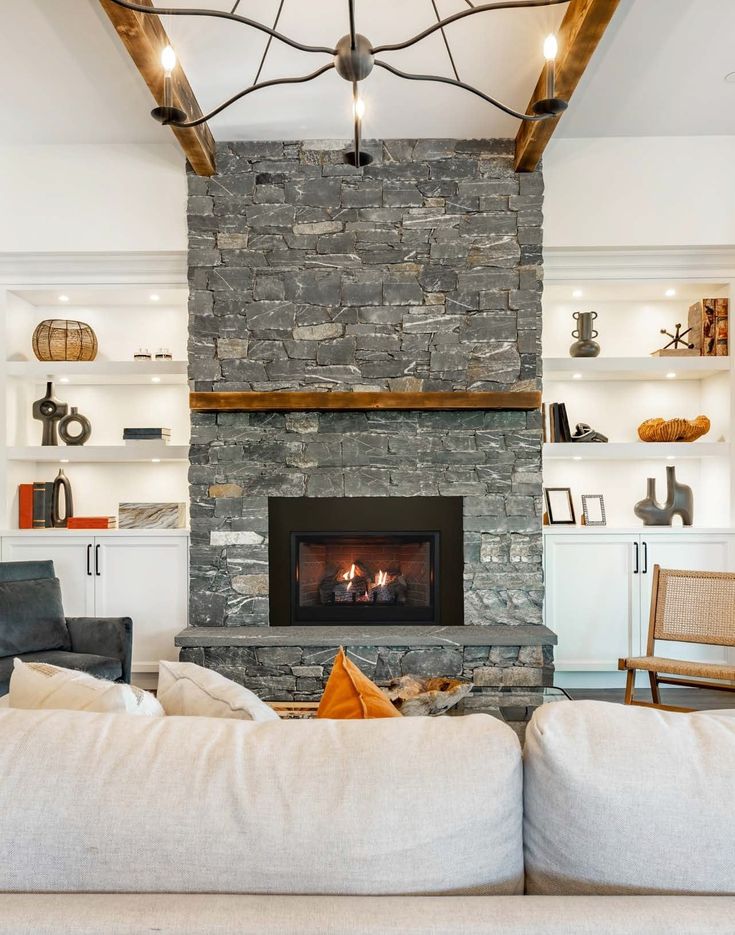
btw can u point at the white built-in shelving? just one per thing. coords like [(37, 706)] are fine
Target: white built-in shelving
[(114, 391), (634, 451), (611, 369)]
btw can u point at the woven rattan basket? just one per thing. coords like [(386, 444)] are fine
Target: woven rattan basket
[(673, 430), (59, 339)]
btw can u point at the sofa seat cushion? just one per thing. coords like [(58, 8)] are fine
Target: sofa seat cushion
[(380, 806), (90, 914), (32, 617), (626, 800), (102, 667)]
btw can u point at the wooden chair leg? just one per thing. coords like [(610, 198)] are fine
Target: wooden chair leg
[(629, 686), (655, 694)]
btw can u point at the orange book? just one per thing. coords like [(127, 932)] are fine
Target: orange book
[(25, 506), (88, 522)]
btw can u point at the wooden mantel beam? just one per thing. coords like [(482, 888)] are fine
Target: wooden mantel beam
[(582, 28), (320, 401), (144, 37)]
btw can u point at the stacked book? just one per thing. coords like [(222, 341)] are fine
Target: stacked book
[(133, 436), (35, 503), (91, 522)]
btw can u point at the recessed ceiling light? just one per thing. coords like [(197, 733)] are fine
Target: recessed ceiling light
[(730, 77), (671, 375), (576, 376), (63, 298), (577, 294), (155, 379), (155, 460), (155, 298), (670, 293)]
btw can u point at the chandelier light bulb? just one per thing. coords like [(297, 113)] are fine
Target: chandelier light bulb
[(168, 60), (551, 47), (359, 108)]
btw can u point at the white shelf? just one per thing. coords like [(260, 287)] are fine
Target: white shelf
[(99, 454), (100, 372), (633, 368), (634, 451)]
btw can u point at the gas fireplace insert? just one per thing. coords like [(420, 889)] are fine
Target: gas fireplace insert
[(364, 560)]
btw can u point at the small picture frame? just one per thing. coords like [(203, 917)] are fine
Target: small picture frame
[(559, 506), (593, 509)]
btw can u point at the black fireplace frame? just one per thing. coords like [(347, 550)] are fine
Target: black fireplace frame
[(439, 518)]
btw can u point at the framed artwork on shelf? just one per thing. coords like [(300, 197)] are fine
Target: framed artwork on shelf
[(593, 509), (559, 506)]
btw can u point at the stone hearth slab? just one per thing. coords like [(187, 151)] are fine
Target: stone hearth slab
[(501, 635)]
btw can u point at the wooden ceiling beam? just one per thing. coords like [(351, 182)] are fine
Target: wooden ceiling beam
[(144, 37), (582, 28)]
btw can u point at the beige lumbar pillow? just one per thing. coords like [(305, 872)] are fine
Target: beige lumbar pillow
[(39, 685), (187, 689)]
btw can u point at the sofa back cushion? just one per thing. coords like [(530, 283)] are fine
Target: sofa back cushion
[(25, 571), (32, 617), (625, 800), (112, 803)]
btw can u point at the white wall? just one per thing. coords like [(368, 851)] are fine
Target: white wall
[(92, 198), (631, 192)]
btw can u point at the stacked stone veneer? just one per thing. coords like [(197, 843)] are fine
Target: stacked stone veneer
[(420, 272)]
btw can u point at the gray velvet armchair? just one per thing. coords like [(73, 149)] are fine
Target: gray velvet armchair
[(33, 628)]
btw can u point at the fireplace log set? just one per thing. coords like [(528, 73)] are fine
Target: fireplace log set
[(361, 584)]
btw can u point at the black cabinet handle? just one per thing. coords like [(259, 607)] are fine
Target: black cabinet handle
[(635, 566), (645, 558), (89, 558), (97, 560)]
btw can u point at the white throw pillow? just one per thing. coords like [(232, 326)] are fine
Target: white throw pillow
[(187, 689), (39, 685)]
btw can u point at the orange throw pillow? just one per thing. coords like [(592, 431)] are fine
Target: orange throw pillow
[(350, 694)]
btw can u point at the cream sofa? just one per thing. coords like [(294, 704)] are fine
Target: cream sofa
[(195, 826)]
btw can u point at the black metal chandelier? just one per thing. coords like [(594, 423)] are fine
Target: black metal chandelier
[(353, 58)]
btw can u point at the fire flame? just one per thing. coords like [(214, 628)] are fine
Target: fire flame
[(381, 578), (349, 575)]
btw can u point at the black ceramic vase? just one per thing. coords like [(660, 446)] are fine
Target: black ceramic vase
[(679, 502), (584, 346), (61, 482), (75, 438), (50, 412)]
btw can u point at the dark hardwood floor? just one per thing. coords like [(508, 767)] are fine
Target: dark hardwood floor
[(702, 699)]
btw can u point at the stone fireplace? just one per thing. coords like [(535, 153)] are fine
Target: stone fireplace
[(419, 273)]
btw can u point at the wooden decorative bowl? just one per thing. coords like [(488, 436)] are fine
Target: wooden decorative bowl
[(414, 696), (59, 339), (673, 430)]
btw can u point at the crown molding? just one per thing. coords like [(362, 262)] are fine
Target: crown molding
[(701, 262), (85, 269)]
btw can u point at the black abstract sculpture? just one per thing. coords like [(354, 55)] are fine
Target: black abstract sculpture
[(679, 502), (50, 411)]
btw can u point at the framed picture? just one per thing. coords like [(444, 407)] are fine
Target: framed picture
[(593, 509), (559, 506)]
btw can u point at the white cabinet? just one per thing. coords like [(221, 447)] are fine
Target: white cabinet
[(598, 592), (73, 559), (592, 599), (144, 577)]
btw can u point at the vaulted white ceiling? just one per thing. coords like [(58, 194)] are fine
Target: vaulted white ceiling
[(659, 71)]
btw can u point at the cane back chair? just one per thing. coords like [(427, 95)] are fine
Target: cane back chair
[(686, 607)]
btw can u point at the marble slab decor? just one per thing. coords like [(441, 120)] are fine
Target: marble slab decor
[(498, 635), (151, 516)]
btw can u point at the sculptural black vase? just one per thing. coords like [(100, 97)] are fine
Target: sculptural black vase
[(584, 346), (50, 412), (61, 482), (85, 428), (679, 502)]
